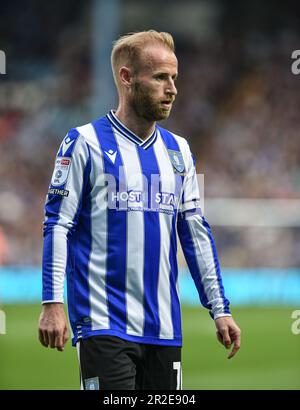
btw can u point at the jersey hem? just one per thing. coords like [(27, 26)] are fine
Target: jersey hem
[(177, 341)]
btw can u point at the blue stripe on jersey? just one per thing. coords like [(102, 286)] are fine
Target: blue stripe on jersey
[(48, 264), (116, 233), (171, 143), (80, 248), (52, 210), (150, 167), (217, 266)]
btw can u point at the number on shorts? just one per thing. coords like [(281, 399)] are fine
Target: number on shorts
[(177, 367)]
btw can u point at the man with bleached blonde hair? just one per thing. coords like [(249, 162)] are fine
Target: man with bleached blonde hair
[(121, 190)]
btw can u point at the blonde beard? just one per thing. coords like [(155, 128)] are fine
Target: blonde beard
[(145, 107)]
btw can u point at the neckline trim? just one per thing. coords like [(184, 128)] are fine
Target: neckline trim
[(129, 134)]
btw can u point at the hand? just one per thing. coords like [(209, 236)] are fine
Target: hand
[(53, 328), (227, 333)]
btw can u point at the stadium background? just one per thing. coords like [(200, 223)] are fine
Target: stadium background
[(238, 105)]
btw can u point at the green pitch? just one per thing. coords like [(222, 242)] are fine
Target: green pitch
[(269, 357)]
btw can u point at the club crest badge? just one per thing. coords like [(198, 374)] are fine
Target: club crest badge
[(177, 160), (92, 384)]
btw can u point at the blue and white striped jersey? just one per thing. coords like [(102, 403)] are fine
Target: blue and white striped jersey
[(113, 209)]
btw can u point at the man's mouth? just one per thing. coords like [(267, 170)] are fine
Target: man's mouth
[(167, 103)]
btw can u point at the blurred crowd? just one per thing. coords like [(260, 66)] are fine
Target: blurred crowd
[(237, 105)]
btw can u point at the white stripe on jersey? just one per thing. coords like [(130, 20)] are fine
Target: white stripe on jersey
[(190, 188), (59, 257)]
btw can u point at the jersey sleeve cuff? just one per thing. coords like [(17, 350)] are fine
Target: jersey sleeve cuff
[(44, 302), (217, 315)]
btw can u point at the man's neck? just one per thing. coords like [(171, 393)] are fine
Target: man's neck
[(139, 126)]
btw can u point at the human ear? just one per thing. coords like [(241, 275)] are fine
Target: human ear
[(125, 76)]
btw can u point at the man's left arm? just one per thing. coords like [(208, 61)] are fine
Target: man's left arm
[(200, 253)]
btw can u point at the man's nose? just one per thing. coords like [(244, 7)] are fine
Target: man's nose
[(171, 88)]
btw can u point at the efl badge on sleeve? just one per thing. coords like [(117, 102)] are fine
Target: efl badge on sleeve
[(61, 171), (177, 160)]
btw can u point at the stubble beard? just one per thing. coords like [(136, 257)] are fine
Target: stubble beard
[(145, 107)]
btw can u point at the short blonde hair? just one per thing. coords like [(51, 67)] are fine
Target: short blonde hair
[(127, 49)]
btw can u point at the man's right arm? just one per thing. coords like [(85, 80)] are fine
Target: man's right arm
[(53, 327), (69, 180)]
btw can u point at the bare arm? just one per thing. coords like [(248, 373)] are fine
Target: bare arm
[(53, 327), (228, 333)]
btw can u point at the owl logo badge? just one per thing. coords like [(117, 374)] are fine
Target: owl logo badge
[(177, 160)]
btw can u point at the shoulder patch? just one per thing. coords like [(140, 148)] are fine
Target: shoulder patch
[(61, 171), (67, 146)]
